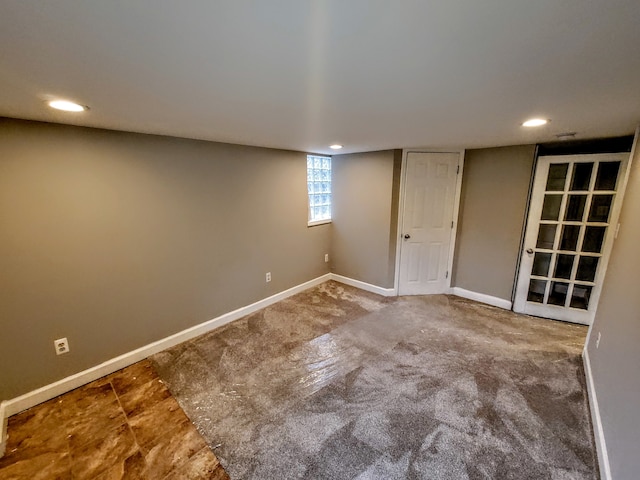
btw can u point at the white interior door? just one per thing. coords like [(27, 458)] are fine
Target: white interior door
[(427, 222), (575, 203)]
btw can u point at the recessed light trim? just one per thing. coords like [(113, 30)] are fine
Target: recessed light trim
[(535, 122), (67, 106), (335, 146)]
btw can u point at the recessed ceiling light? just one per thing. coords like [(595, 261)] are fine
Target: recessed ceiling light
[(335, 146), (535, 122), (67, 106)]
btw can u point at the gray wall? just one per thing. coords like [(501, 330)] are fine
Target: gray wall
[(365, 215), (116, 240), (495, 187), (615, 362)]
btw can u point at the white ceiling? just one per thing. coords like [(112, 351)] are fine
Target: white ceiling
[(296, 74)]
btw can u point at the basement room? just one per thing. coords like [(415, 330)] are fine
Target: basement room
[(319, 240)]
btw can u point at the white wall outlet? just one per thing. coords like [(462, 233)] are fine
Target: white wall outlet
[(268, 277), (61, 345), (326, 257), (598, 340)]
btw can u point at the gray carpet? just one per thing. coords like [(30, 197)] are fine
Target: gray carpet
[(337, 383)]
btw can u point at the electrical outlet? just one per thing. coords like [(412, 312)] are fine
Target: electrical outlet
[(61, 345), (598, 340), (326, 257), (268, 277)]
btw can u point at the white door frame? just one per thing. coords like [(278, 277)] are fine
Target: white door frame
[(533, 216), (456, 209)]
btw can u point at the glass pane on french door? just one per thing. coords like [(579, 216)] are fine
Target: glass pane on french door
[(568, 231)]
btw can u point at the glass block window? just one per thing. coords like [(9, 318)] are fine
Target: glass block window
[(319, 189)]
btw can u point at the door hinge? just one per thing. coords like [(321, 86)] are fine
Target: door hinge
[(446, 275), (458, 170), (451, 223)]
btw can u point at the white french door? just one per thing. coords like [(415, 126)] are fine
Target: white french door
[(427, 222), (573, 215)]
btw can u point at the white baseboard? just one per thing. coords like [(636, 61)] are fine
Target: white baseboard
[(482, 298), (387, 292), (35, 397), (601, 444), (3, 429)]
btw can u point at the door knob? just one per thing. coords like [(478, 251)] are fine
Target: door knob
[(407, 236), (529, 251)]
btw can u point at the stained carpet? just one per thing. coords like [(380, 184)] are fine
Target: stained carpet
[(338, 383)]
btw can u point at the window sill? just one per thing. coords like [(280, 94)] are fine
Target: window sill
[(318, 222)]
